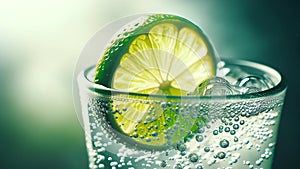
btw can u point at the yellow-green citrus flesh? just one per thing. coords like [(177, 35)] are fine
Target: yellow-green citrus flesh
[(158, 54)]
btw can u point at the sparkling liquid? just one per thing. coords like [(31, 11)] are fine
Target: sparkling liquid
[(233, 133)]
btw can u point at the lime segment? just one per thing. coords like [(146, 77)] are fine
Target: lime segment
[(166, 55)]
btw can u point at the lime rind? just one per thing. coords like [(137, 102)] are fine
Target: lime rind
[(156, 54), (122, 40)]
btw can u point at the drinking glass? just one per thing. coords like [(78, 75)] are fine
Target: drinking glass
[(226, 131)]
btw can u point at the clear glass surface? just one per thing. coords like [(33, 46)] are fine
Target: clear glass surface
[(234, 131)]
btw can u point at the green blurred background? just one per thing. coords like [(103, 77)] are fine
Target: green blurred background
[(40, 42)]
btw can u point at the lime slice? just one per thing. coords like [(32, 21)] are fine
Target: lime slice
[(156, 54)]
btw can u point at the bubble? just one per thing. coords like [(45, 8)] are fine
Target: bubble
[(181, 147), (163, 104), (178, 166), (193, 157), (163, 163), (211, 161), (236, 139), (154, 134), (148, 139), (223, 120), (114, 163), (235, 126), (259, 161), (224, 143), (199, 166), (227, 129), (232, 132), (199, 138), (206, 149), (215, 86), (200, 124), (221, 129), (271, 145), (215, 132), (247, 162), (201, 130), (242, 122), (221, 155), (129, 163), (101, 166)]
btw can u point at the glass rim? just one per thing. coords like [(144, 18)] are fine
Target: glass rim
[(278, 88)]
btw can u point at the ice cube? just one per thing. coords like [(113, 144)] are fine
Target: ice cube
[(247, 90), (253, 83), (215, 86), (231, 73)]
